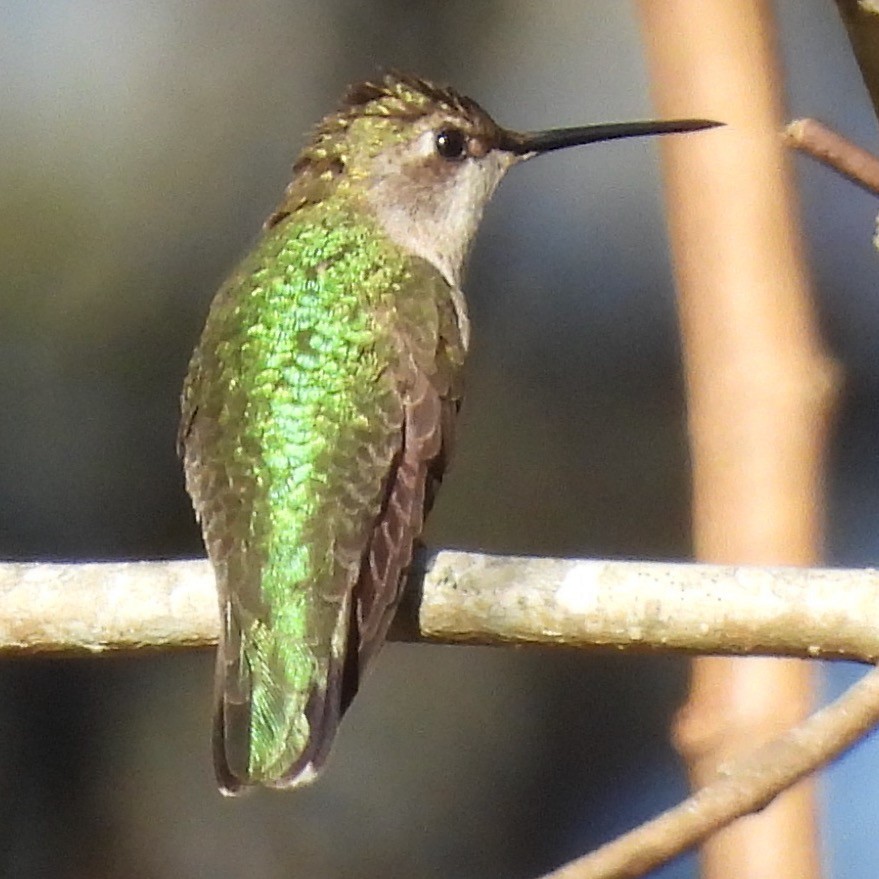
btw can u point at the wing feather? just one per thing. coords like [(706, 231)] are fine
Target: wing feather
[(432, 398)]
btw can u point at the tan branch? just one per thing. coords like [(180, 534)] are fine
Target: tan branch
[(837, 152), (760, 387)]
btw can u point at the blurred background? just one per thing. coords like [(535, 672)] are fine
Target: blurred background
[(141, 146)]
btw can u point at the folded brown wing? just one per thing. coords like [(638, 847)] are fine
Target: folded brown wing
[(432, 397)]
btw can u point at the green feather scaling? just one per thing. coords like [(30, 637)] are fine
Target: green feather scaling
[(293, 412)]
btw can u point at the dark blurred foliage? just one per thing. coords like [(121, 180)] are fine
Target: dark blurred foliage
[(141, 147)]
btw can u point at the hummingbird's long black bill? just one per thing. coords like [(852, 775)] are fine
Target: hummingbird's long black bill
[(536, 142)]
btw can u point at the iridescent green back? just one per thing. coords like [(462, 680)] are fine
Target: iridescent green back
[(314, 418)]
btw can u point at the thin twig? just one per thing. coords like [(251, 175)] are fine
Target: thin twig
[(742, 787), (837, 152)]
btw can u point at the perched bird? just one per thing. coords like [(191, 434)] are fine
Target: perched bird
[(319, 408)]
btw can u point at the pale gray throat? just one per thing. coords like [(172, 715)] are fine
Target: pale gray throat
[(433, 211), (438, 220)]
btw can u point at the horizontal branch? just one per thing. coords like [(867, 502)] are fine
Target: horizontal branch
[(477, 599)]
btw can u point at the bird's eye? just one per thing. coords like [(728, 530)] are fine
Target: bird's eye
[(451, 143)]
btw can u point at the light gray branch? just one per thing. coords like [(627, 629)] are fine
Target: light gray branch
[(96, 607), (474, 598)]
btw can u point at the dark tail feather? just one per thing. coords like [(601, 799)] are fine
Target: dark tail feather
[(231, 731), (230, 782), (350, 679), (324, 710)]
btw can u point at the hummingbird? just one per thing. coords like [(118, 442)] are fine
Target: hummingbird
[(318, 413)]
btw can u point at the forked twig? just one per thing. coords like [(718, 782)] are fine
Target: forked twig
[(741, 787)]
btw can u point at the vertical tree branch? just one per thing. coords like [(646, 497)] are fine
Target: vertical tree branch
[(758, 384)]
